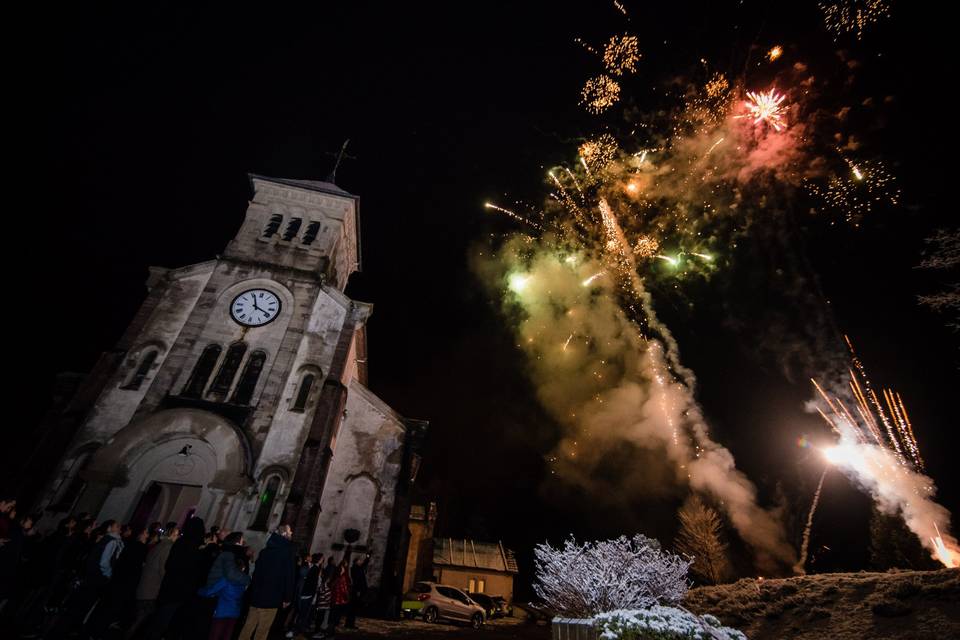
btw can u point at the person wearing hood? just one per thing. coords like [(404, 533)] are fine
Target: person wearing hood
[(183, 576), (228, 563), (274, 576), (228, 588)]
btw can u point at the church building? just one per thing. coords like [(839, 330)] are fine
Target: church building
[(238, 394)]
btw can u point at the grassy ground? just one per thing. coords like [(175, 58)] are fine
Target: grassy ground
[(909, 605), (501, 629)]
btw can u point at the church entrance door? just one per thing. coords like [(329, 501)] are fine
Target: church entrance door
[(167, 502)]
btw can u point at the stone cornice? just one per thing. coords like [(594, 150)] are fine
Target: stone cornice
[(329, 203)]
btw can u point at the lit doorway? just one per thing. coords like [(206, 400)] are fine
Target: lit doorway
[(166, 502)]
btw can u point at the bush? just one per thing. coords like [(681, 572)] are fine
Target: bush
[(662, 623), (582, 580)]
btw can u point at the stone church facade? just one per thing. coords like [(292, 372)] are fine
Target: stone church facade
[(238, 394)]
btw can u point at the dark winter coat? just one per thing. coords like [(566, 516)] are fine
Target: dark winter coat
[(10, 557), (129, 568), (310, 582), (225, 566), (358, 579), (185, 567), (99, 563), (229, 596), (154, 568), (51, 554), (274, 574)]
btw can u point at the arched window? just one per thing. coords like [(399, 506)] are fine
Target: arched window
[(313, 229), (228, 370), (303, 393), (249, 377), (201, 371), (146, 362), (273, 226), (72, 488), (265, 503), (293, 227)]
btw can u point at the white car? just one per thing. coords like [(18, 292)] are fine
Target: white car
[(439, 601)]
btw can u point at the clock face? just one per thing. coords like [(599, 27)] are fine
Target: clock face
[(255, 308)]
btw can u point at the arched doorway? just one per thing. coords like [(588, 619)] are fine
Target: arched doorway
[(169, 466)]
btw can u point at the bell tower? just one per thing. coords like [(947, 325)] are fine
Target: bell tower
[(303, 225)]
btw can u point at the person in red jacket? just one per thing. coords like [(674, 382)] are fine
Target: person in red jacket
[(340, 590)]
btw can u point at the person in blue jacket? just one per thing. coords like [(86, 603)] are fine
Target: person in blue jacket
[(229, 594)]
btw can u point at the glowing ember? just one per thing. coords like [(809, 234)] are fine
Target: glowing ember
[(774, 53)]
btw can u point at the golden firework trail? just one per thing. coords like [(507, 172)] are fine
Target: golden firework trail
[(885, 424), (800, 567), (512, 214)]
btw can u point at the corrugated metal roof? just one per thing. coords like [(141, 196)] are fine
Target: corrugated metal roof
[(471, 554)]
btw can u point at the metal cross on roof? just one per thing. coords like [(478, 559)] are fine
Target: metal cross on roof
[(332, 177)]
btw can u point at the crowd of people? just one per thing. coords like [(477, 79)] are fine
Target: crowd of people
[(107, 581)]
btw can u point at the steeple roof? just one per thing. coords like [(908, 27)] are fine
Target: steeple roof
[(311, 185)]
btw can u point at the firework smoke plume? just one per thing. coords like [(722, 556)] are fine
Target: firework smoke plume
[(611, 387)]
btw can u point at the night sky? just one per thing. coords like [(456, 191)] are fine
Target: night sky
[(148, 120)]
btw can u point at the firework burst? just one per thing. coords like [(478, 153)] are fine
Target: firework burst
[(853, 16), (855, 191), (621, 55), (646, 246), (766, 107), (597, 153), (599, 94)]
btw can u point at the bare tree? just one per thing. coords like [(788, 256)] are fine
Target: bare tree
[(582, 580), (943, 255), (700, 537)]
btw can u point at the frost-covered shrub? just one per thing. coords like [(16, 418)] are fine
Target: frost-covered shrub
[(662, 623), (582, 580)]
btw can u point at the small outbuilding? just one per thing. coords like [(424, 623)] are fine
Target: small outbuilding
[(475, 567)]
